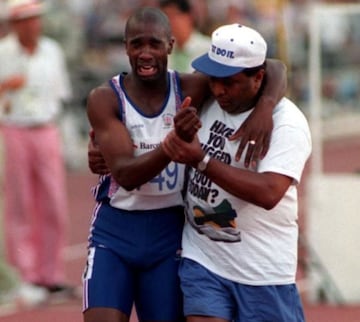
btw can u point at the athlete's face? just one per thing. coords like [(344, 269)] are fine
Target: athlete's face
[(148, 45), (237, 93)]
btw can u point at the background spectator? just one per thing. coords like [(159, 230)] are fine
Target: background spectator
[(34, 80)]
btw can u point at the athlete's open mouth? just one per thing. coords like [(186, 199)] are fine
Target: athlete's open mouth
[(147, 70)]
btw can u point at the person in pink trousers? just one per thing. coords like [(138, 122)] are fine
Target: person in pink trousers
[(33, 84)]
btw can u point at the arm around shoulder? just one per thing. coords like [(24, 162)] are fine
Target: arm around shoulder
[(275, 81), (258, 126)]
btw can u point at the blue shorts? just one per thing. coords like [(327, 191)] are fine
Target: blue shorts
[(133, 259), (208, 294)]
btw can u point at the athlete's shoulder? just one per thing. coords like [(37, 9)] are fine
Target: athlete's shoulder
[(102, 95)]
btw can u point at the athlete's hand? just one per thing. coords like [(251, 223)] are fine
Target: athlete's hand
[(96, 161), (186, 121), (254, 135)]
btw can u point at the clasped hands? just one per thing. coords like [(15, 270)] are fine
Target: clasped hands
[(182, 144)]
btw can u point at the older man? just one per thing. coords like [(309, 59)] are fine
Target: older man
[(240, 238)]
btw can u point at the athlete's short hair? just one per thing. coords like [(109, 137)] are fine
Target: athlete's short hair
[(149, 14)]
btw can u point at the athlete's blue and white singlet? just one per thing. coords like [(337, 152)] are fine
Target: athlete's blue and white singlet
[(135, 236), (147, 133)]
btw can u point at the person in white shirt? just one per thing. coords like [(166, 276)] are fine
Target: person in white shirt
[(34, 82), (239, 256)]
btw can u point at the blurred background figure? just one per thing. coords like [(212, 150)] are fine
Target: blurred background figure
[(3, 20), (189, 41), (34, 83), (227, 12), (8, 278)]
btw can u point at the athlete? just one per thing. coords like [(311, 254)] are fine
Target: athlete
[(240, 238), (135, 233)]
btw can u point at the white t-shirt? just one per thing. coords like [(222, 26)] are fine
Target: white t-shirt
[(46, 81), (234, 238)]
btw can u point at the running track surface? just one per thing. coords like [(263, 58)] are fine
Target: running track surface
[(341, 155)]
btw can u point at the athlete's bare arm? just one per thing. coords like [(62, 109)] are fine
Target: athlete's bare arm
[(115, 144)]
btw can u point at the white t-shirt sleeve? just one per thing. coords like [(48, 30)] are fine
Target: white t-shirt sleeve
[(290, 145)]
